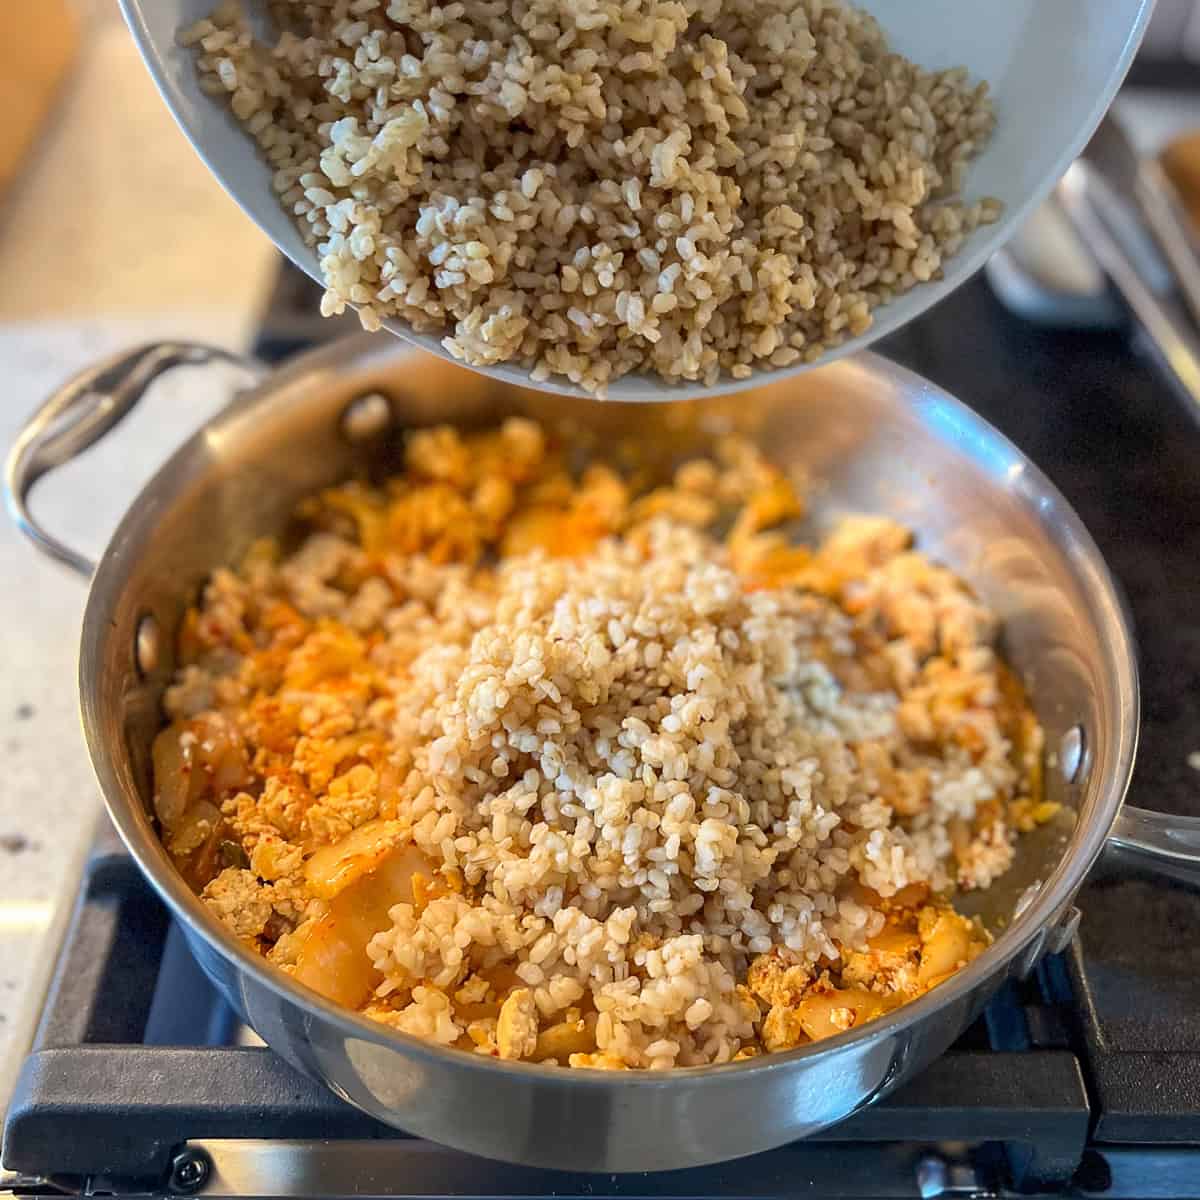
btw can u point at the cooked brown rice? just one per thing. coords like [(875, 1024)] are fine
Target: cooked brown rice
[(593, 187)]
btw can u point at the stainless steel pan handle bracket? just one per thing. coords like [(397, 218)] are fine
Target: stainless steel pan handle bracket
[(1160, 842), (81, 412)]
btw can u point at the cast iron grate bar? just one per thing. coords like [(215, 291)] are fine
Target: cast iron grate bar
[(106, 973), (129, 1107), (1142, 1097)]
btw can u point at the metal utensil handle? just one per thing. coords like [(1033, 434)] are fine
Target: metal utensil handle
[(1164, 214), (81, 412), (1083, 196), (1161, 842)]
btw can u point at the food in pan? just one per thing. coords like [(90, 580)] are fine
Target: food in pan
[(568, 764), (589, 188)]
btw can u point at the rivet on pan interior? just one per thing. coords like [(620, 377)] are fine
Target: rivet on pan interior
[(1071, 751), (146, 644), (366, 416)]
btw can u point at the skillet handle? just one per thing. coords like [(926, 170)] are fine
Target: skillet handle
[(79, 414), (1160, 842)]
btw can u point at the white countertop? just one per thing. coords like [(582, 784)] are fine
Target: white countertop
[(118, 235)]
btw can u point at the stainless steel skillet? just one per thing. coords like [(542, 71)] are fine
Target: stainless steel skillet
[(880, 439)]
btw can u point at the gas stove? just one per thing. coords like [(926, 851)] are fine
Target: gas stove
[(1084, 1080)]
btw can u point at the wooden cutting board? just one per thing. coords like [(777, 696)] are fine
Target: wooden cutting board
[(39, 40)]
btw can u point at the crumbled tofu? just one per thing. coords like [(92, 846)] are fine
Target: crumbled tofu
[(888, 965), (783, 1028), (517, 1027), (272, 858), (240, 901), (473, 991), (778, 981)]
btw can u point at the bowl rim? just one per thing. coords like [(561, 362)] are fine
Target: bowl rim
[(997, 455), (640, 387)]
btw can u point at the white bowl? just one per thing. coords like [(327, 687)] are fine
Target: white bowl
[(1053, 65)]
